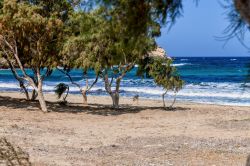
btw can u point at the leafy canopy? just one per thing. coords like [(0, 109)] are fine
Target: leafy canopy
[(37, 32), (163, 73), (117, 32)]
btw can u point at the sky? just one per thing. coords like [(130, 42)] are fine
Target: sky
[(194, 34)]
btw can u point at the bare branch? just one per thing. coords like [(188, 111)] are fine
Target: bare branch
[(70, 78), (97, 77)]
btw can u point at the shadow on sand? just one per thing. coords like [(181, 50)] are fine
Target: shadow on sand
[(95, 109)]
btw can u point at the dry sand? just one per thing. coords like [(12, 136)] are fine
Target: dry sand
[(143, 134)]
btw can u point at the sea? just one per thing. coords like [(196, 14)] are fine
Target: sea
[(211, 80)]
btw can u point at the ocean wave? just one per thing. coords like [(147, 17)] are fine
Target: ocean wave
[(193, 93), (145, 90), (245, 85), (181, 64), (216, 85), (233, 59), (197, 92), (7, 69), (183, 59), (214, 94), (147, 85), (9, 85)]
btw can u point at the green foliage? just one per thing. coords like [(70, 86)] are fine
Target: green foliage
[(148, 11), (57, 8), (163, 73), (115, 35), (32, 35), (238, 17), (1, 5), (110, 38), (76, 49), (117, 32), (39, 33), (60, 89)]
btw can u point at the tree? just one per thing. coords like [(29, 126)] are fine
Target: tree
[(164, 74), (3, 54), (1, 5), (238, 15), (74, 50), (83, 89), (106, 53), (122, 33), (33, 37)]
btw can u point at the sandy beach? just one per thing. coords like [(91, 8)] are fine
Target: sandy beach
[(138, 134)]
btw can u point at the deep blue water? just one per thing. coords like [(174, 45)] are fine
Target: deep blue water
[(207, 80)]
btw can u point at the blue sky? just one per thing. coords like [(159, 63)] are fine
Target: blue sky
[(194, 33)]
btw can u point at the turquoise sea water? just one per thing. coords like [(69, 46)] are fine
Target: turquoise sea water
[(221, 80)]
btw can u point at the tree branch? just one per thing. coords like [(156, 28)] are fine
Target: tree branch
[(97, 77), (70, 78), (128, 68), (13, 70)]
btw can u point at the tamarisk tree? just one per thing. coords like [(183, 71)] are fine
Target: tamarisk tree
[(4, 54), (164, 74), (31, 36), (122, 33), (101, 47), (75, 51)]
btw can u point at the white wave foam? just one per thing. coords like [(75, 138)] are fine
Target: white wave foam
[(192, 92), (9, 85), (5, 69), (216, 93), (181, 64), (146, 90), (233, 59), (214, 85)]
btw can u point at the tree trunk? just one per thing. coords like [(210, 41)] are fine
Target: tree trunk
[(84, 92), (17, 77), (24, 90), (85, 98), (114, 95), (26, 77), (115, 99), (163, 99), (171, 106), (33, 95), (40, 92), (67, 93), (42, 100)]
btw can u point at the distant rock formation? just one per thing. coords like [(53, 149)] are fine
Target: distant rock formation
[(158, 52)]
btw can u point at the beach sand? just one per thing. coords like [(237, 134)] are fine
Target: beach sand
[(137, 134)]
